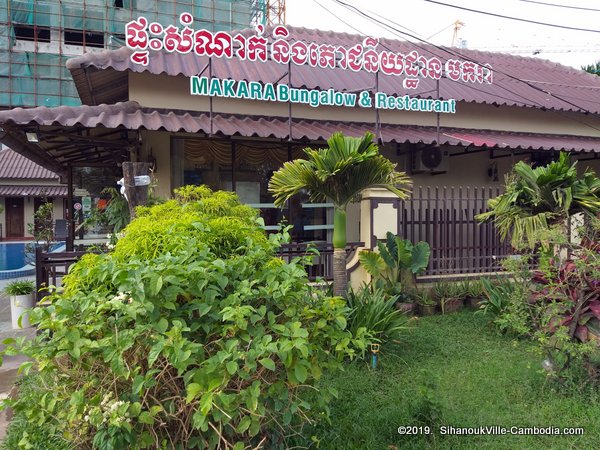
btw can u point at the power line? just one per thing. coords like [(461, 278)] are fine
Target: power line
[(520, 96), (581, 8), (564, 27), (397, 32)]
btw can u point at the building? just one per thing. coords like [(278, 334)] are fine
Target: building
[(233, 108), (37, 37), (24, 185)]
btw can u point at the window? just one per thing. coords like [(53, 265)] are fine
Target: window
[(118, 3), (87, 39), (32, 33)]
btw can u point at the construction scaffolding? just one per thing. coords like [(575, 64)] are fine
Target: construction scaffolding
[(37, 37)]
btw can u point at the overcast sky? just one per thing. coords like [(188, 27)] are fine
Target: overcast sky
[(434, 23)]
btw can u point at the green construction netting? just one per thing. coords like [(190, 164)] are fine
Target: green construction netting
[(41, 79)]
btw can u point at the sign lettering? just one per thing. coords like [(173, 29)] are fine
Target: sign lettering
[(144, 38)]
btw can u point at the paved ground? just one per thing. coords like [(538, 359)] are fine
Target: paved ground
[(8, 370)]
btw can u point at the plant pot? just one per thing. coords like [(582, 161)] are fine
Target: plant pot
[(427, 310), (18, 305), (407, 308), (451, 304), (473, 302)]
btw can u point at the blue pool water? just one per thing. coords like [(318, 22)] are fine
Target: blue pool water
[(12, 256), (14, 263)]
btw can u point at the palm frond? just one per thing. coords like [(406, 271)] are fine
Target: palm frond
[(536, 198), (338, 173)]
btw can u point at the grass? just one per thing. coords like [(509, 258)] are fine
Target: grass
[(454, 370)]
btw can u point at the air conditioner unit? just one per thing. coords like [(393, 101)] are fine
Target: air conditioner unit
[(431, 159)]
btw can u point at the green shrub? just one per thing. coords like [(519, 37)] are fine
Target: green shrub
[(23, 434), (373, 312), (189, 335)]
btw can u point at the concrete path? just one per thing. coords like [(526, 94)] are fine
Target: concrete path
[(10, 366)]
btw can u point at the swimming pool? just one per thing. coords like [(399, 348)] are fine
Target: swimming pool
[(12, 256), (14, 263)]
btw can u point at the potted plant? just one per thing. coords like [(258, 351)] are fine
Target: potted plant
[(476, 293), (427, 305), (407, 301), (450, 296), (22, 298)]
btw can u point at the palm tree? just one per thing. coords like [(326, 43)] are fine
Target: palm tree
[(338, 174), (536, 198)]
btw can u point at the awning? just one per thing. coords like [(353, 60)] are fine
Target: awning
[(130, 116), (33, 191)]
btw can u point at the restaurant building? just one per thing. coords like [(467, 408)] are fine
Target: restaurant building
[(228, 109)]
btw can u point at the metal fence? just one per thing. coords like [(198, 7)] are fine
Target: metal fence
[(322, 264), (445, 218)]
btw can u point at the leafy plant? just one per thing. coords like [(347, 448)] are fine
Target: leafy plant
[(497, 294), (20, 287), (116, 212), (567, 298), (448, 290), (536, 198), (397, 262), (425, 299), (338, 174), (373, 312), (22, 434), (475, 289), (191, 334)]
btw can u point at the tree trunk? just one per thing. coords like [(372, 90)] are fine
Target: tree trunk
[(340, 275), (136, 195)]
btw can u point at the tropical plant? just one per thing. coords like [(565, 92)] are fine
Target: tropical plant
[(424, 298), (592, 68), (497, 295), (338, 174), (567, 299), (20, 287), (397, 263), (536, 198), (475, 289), (116, 212), (191, 334), (373, 312)]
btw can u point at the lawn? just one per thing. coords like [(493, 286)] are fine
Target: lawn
[(479, 378)]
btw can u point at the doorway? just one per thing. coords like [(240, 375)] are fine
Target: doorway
[(15, 220)]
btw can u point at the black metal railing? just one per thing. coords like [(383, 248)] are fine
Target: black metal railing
[(322, 264)]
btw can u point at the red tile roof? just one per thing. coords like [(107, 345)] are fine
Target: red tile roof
[(131, 116), (15, 166), (33, 191), (520, 81)]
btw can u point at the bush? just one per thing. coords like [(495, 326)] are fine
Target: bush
[(22, 434), (373, 312), (190, 335)]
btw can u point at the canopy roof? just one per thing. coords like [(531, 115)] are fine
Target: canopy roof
[(131, 116)]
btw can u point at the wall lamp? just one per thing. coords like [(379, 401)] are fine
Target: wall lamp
[(32, 136)]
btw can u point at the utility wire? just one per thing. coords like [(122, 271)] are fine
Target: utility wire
[(466, 57), (564, 27), (529, 101), (581, 8)]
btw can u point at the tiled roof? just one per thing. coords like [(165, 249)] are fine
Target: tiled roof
[(131, 116), (16, 166), (33, 191), (520, 81)]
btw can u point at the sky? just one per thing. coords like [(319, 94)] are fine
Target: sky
[(435, 23)]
